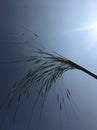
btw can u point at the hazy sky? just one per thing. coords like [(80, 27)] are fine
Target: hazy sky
[(68, 27)]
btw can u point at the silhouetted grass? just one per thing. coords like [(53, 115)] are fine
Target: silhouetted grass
[(46, 69)]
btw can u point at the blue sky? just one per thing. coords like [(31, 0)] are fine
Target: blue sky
[(67, 27)]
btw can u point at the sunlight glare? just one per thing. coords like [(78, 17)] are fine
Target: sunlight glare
[(92, 26)]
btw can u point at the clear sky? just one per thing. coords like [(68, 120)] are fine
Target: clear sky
[(68, 27)]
